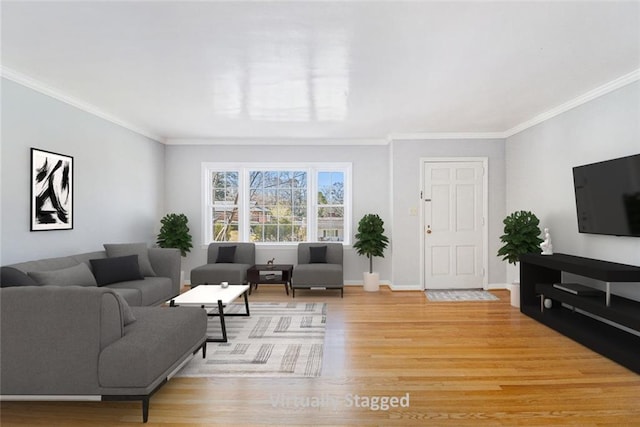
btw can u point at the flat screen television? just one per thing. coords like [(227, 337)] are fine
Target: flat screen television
[(608, 196)]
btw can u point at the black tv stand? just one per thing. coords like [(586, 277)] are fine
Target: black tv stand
[(603, 322)]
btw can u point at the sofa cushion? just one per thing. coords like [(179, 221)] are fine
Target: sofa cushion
[(125, 310), (159, 339), (10, 276), (245, 252), (226, 254), (213, 274), (116, 269), (140, 249), (46, 264), (321, 275), (318, 255), (148, 291), (132, 296), (78, 275)]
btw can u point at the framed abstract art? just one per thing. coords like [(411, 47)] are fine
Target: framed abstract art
[(51, 191)]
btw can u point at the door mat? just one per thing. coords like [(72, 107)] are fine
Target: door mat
[(277, 340), (460, 295)]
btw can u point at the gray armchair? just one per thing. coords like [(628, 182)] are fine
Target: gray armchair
[(226, 262), (319, 266)]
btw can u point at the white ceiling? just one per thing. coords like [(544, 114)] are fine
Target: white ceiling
[(319, 70)]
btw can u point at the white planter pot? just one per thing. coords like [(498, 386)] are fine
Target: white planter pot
[(515, 294), (371, 282), (513, 273)]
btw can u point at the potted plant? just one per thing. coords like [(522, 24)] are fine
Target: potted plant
[(174, 233), (521, 236), (371, 242)]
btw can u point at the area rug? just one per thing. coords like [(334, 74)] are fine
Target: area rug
[(460, 295), (277, 340)]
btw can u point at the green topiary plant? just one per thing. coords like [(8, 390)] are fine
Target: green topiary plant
[(370, 239), (521, 236), (174, 233)]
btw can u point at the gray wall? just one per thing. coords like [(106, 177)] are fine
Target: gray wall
[(539, 176), (406, 195), (126, 182), (119, 177), (370, 180)]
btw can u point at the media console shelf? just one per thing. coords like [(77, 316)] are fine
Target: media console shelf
[(538, 273)]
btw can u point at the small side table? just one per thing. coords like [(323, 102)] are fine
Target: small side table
[(279, 274)]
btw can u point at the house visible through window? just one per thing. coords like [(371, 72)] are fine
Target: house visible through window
[(330, 212), (278, 206), (271, 203), (224, 209)]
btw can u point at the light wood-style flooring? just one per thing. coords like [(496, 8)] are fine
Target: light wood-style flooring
[(460, 364)]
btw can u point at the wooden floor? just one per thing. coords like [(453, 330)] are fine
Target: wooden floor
[(457, 364)]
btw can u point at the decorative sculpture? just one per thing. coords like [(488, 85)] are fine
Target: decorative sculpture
[(546, 246), (270, 262)]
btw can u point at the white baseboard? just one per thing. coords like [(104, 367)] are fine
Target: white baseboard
[(361, 283), (405, 288), (490, 286), (387, 283), (506, 286)]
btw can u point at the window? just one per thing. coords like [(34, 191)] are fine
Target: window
[(277, 203), (330, 212), (277, 206), (224, 210)]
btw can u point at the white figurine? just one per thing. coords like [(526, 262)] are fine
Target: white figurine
[(546, 246)]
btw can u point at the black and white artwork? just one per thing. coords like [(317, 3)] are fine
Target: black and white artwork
[(51, 191)]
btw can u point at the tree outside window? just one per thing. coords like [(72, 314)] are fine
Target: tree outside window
[(278, 202), (330, 206), (225, 188), (263, 203)]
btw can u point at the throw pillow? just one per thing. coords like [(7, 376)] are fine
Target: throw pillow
[(226, 254), (124, 249), (116, 269), (317, 255), (125, 309), (10, 276), (78, 275)]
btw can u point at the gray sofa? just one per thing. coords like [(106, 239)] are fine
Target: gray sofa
[(158, 279), (87, 325), (86, 343), (226, 262), (320, 265)]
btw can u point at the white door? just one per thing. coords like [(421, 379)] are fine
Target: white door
[(453, 218)]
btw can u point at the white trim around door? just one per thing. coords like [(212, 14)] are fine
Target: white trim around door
[(425, 228)]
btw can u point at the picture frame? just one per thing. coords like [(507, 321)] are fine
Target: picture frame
[(52, 185)]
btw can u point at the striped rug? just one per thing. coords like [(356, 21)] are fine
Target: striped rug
[(460, 295), (277, 340)]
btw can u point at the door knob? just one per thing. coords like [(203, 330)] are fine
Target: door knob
[(428, 229)]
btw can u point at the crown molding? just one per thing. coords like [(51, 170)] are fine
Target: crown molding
[(576, 102), (45, 89), (556, 111), (276, 141), (444, 135)]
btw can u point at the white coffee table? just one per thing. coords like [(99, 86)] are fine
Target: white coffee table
[(214, 296)]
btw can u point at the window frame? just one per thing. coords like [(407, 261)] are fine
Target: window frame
[(244, 169)]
